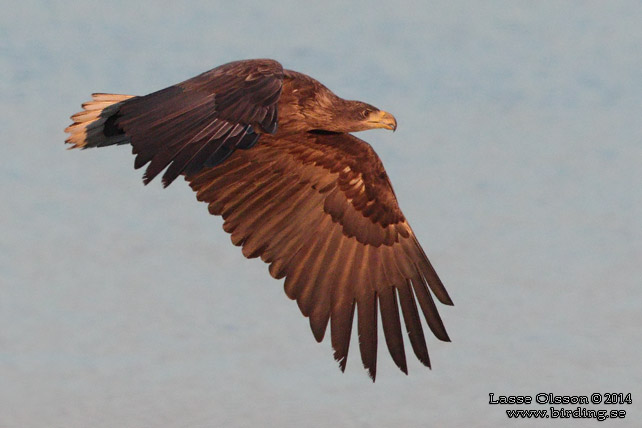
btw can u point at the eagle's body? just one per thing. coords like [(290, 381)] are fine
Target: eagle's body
[(270, 150)]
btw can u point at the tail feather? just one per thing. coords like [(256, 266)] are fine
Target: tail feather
[(88, 129)]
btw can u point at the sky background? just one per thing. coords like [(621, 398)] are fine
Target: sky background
[(517, 161)]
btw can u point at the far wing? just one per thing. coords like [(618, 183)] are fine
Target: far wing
[(321, 211), (200, 122)]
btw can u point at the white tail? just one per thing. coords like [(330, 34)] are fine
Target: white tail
[(87, 129)]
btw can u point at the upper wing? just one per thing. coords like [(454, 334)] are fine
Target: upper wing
[(320, 209), (201, 121)]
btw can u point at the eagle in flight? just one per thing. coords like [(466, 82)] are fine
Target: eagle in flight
[(270, 150)]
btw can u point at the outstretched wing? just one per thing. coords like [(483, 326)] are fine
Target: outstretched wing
[(201, 121), (321, 211)]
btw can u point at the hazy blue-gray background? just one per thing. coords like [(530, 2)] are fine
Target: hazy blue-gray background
[(517, 160)]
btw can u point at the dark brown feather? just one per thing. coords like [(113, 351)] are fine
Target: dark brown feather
[(392, 326), (201, 121), (367, 326), (413, 323)]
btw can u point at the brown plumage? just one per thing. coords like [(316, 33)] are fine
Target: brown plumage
[(270, 151)]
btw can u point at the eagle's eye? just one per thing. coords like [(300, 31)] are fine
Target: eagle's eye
[(365, 113)]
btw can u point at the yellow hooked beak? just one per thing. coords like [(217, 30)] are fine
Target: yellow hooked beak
[(382, 119)]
